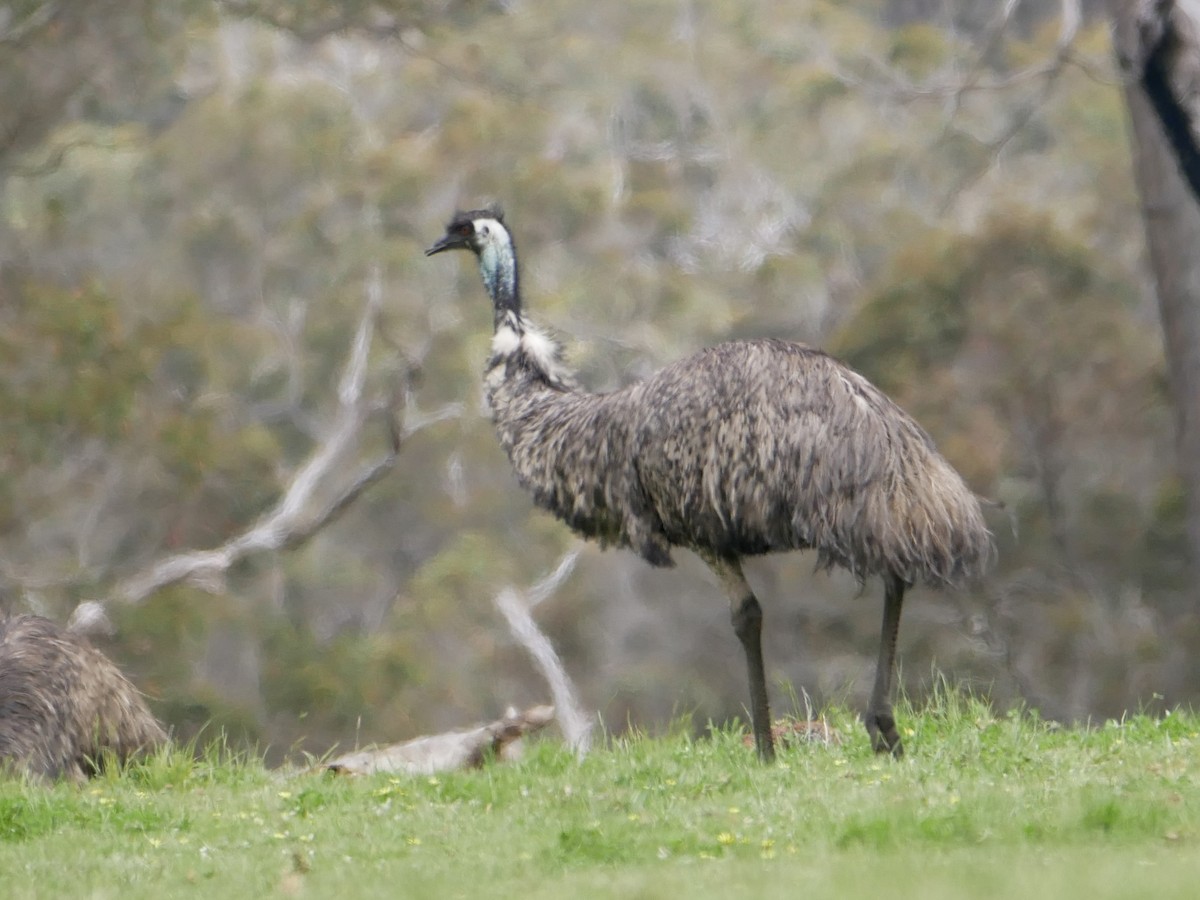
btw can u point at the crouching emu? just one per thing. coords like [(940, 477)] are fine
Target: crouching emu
[(745, 448), (65, 709)]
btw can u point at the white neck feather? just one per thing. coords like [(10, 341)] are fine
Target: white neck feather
[(515, 334)]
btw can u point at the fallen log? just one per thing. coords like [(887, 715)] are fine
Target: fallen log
[(468, 749)]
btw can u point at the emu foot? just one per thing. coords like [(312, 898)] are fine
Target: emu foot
[(881, 726)]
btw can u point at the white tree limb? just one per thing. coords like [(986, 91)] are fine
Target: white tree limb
[(452, 750), (548, 586), (293, 520), (576, 725), (273, 529)]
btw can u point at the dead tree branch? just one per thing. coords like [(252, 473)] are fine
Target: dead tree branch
[(992, 39), (576, 725), (1048, 74), (293, 520), (953, 91), (311, 26), (470, 748), (972, 79)]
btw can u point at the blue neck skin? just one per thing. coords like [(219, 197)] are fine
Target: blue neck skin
[(498, 266)]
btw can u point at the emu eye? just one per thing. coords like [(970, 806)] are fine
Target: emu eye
[(464, 229)]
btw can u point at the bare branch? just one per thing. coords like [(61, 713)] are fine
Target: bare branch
[(333, 510), (292, 521), (284, 528), (576, 725), (494, 84), (991, 40), (548, 586), (58, 154), (287, 517), (452, 750), (271, 531), (41, 15), (1048, 73), (309, 28), (1070, 20), (369, 475)]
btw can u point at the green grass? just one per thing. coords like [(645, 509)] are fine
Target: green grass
[(983, 806)]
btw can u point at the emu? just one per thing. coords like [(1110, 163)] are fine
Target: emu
[(64, 707), (745, 448)]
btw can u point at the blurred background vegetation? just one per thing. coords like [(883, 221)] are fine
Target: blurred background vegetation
[(193, 196)]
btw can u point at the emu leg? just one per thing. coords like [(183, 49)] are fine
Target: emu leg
[(747, 624), (881, 724)]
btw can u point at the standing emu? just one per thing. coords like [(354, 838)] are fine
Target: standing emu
[(745, 448), (64, 707)]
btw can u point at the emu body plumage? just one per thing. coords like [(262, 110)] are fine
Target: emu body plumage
[(64, 706), (744, 448)]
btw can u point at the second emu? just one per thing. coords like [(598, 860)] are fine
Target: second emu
[(65, 708), (745, 448)]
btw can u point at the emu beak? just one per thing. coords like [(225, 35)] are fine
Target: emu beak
[(446, 242)]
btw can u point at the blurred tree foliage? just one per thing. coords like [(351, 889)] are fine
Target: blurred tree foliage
[(193, 196), (1027, 348)]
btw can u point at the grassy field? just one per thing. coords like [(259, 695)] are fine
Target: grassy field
[(983, 806)]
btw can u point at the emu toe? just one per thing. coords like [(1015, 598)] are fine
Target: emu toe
[(885, 738)]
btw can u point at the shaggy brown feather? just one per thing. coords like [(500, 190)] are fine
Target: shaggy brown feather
[(744, 448), (64, 707)]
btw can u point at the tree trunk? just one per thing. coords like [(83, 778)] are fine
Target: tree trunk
[(1157, 47)]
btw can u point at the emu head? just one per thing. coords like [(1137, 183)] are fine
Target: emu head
[(482, 231), (473, 230)]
